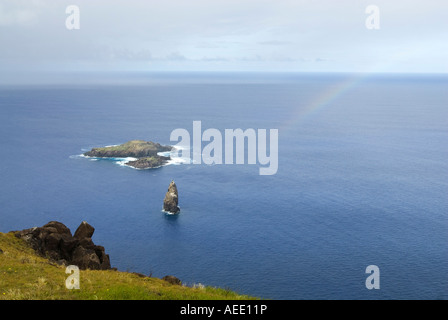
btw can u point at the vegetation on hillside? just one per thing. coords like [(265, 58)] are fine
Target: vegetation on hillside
[(25, 275)]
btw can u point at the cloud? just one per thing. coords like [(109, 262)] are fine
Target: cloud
[(274, 43), (255, 57), (130, 55), (175, 56), (207, 45), (319, 35), (214, 59), (13, 16)]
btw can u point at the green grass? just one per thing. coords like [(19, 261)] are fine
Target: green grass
[(25, 275)]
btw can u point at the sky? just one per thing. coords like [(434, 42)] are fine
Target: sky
[(224, 35)]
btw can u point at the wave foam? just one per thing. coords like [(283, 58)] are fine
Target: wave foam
[(171, 213), (123, 161), (175, 159)]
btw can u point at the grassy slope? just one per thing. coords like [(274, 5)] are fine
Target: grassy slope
[(24, 275)]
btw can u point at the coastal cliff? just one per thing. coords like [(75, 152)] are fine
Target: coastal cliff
[(29, 271)]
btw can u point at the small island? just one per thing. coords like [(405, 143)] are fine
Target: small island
[(144, 153)]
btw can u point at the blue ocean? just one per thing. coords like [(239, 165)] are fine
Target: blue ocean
[(362, 179)]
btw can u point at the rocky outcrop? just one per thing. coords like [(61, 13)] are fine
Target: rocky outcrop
[(55, 241), (148, 162), (172, 280), (145, 152), (170, 203)]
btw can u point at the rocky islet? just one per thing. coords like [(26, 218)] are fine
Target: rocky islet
[(144, 154)]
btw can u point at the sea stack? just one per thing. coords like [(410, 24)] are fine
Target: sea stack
[(171, 199)]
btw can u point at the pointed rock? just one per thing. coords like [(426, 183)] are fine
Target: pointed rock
[(84, 230), (170, 203)]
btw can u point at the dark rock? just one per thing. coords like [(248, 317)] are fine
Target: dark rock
[(52, 255), (170, 203), (55, 241), (62, 262), (49, 230), (1, 251), (86, 259), (52, 241), (148, 162), (172, 280), (87, 243), (104, 258), (34, 237), (67, 245), (84, 230), (60, 227), (141, 275), (105, 261), (99, 250)]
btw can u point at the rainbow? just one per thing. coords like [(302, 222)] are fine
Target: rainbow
[(323, 100)]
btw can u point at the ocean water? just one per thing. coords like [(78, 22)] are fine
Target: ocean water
[(362, 179)]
